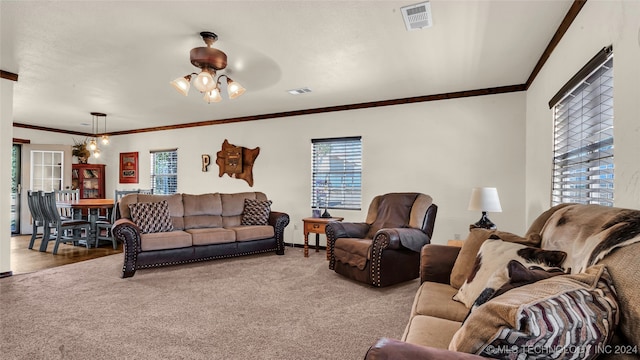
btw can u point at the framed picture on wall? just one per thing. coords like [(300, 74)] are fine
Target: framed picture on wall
[(129, 168)]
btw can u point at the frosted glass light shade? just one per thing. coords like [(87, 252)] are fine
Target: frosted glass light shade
[(212, 96), (234, 89), (204, 81), (485, 199), (92, 144), (96, 153), (182, 84), (105, 140)]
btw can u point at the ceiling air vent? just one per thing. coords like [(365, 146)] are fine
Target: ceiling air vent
[(417, 16), (299, 91)]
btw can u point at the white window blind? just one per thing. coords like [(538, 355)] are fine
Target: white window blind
[(583, 163), (337, 173), (164, 171)]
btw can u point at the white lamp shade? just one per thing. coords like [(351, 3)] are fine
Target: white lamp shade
[(204, 82), (105, 139), (96, 153), (485, 199), (92, 144), (182, 85), (234, 89)]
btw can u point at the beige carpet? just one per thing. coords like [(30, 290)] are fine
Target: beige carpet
[(256, 307)]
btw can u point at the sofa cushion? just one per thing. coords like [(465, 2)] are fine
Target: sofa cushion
[(207, 236), (352, 251), (494, 255), (553, 318), (151, 217), (434, 299), (256, 212), (466, 258), (165, 240), (202, 211), (430, 331), (253, 232)]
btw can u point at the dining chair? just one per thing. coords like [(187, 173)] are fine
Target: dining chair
[(67, 195), (37, 217), (63, 231), (103, 226)]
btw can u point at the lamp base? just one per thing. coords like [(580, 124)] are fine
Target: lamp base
[(483, 223), (325, 214)]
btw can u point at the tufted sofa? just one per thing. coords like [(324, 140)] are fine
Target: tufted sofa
[(601, 243), (199, 227)]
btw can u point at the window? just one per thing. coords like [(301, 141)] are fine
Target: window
[(337, 173), (46, 170), (164, 171), (583, 164)]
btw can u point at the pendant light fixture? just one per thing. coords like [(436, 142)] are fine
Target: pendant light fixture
[(95, 128), (209, 60)]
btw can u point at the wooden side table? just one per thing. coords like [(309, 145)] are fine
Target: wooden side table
[(316, 225)]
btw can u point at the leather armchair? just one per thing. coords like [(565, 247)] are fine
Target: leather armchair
[(385, 249)]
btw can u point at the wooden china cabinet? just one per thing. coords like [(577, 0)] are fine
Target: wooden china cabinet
[(89, 178)]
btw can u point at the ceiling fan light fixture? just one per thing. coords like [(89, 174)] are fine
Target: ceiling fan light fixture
[(96, 153), (234, 89), (182, 84), (105, 139), (209, 60)]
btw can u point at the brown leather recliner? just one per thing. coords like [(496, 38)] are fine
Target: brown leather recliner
[(385, 249)]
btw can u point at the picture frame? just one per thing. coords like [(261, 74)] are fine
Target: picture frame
[(128, 168)]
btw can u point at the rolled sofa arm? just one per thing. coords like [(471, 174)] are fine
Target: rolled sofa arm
[(391, 349), (436, 262), (410, 238), (279, 221), (128, 232)]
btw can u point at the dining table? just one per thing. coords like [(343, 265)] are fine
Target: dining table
[(92, 206)]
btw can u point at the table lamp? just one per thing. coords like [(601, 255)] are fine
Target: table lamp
[(484, 199)]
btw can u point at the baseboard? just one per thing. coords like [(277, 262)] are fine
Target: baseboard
[(6, 274), (302, 246)]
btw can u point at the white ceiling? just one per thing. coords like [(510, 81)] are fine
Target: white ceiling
[(117, 57)]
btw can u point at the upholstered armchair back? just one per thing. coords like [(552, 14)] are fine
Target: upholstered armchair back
[(397, 210)]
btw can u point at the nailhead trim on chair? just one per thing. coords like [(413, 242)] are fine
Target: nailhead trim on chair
[(331, 243), (380, 242)]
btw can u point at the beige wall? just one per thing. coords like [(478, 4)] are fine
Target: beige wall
[(600, 23), (441, 148)]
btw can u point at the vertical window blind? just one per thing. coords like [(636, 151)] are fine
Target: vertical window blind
[(164, 171), (583, 162), (336, 181)]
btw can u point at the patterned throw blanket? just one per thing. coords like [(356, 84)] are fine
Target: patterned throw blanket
[(587, 233)]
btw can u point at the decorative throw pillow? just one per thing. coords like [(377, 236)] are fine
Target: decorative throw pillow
[(571, 316), (151, 217), (465, 260), (256, 212), (495, 255), (515, 275)]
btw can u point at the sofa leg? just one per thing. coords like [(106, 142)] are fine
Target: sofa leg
[(280, 252)]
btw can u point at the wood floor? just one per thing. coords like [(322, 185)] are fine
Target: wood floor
[(24, 260)]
